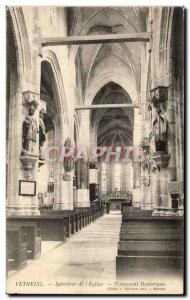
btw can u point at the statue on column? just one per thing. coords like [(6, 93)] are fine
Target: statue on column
[(68, 162), (29, 130), (160, 130), (42, 131)]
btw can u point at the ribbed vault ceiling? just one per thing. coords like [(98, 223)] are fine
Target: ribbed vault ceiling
[(94, 59), (113, 126), (96, 62)]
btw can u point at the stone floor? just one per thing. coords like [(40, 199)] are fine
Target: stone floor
[(88, 255), (46, 247)]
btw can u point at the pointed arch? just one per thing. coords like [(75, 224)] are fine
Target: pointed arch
[(105, 79), (23, 51), (51, 58)]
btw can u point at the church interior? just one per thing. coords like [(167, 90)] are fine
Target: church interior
[(95, 143)]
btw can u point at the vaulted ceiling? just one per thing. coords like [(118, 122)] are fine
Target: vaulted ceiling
[(107, 65), (48, 92), (114, 126)]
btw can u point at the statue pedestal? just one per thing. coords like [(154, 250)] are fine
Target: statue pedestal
[(83, 198), (26, 204), (161, 159), (147, 201), (161, 199), (65, 201), (137, 197), (28, 161)]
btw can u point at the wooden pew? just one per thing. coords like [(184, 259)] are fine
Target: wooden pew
[(126, 266), (56, 225), (128, 211), (33, 239), (150, 245), (16, 248), (143, 230), (52, 227), (152, 219), (136, 235), (30, 235)]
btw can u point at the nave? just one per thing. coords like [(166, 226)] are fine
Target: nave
[(95, 123)]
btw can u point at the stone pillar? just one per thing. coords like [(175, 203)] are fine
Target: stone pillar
[(23, 167), (75, 188), (171, 136), (137, 195), (112, 165), (93, 174), (127, 176), (109, 184), (83, 197), (123, 177), (137, 135), (93, 180), (160, 194), (65, 200), (173, 139), (102, 179), (160, 155), (130, 179), (83, 193), (147, 200)]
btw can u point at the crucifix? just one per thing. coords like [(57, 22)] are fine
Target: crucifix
[(27, 176)]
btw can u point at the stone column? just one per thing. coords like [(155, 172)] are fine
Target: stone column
[(83, 193), (109, 183), (93, 179), (147, 200), (160, 195), (173, 139), (171, 136), (137, 195), (137, 135), (23, 167), (64, 201), (127, 176), (75, 188), (123, 177), (83, 197), (160, 156)]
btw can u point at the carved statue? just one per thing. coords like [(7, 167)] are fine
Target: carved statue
[(160, 129), (68, 164), (29, 131), (146, 162), (42, 130), (68, 161)]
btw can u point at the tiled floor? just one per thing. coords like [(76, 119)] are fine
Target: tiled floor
[(88, 255)]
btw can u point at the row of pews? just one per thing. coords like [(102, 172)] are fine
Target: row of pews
[(149, 245), (25, 233)]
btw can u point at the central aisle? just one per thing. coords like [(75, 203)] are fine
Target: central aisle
[(89, 254)]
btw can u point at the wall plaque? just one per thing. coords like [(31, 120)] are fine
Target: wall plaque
[(27, 188)]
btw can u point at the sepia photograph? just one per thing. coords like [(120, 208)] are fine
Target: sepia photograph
[(95, 150)]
